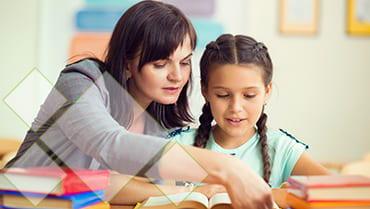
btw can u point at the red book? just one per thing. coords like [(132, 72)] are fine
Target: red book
[(330, 187), (53, 180)]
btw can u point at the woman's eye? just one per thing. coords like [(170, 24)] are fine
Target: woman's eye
[(222, 95), (159, 65), (187, 63)]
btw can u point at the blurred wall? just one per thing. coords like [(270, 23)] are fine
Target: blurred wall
[(18, 56), (320, 86)]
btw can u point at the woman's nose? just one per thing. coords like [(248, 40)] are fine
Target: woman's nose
[(175, 73)]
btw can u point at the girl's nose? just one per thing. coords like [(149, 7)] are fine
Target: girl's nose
[(236, 104)]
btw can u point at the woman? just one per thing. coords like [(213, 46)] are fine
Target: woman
[(89, 121)]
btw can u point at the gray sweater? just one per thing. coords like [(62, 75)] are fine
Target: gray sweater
[(75, 128)]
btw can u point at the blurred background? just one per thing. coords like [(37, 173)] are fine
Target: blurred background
[(321, 65)]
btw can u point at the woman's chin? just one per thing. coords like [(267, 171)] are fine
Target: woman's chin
[(167, 101)]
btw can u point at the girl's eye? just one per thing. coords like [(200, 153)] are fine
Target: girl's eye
[(250, 95), (222, 95)]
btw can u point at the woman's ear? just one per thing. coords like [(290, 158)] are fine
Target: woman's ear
[(128, 70)]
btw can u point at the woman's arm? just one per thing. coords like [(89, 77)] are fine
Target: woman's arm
[(245, 187), (128, 190)]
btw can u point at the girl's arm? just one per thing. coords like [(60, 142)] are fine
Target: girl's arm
[(306, 165), (279, 197)]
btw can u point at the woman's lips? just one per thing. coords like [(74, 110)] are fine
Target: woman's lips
[(171, 90)]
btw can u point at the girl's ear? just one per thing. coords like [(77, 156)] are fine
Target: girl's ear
[(268, 92), (204, 91)]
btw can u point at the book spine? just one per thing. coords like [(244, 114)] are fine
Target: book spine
[(74, 184), (296, 202), (303, 194), (85, 198), (294, 183)]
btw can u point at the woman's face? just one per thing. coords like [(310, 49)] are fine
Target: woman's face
[(236, 95), (162, 80)]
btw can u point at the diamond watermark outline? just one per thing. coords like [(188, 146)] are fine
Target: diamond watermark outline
[(172, 146), (17, 86), (67, 110)]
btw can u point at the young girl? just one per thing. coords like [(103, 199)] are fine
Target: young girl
[(95, 116), (236, 74)]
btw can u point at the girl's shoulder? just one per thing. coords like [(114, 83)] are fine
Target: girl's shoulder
[(183, 135), (276, 137)]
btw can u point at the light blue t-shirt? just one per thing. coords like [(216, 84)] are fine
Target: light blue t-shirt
[(284, 152)]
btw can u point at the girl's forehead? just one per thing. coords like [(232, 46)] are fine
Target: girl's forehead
[(236, 76)]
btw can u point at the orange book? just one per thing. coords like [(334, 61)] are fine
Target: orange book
[(296, 202), (330, 187)]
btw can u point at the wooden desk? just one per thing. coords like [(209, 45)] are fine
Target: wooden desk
[(122, 206), (112, 206)]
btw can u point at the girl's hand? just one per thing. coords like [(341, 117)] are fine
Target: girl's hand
[(210, 189), (280, 196)]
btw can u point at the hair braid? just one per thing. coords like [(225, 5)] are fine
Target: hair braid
[(262, 129), (204, 128)]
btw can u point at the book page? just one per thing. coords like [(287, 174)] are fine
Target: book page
[(177, 199), (223, 198), (218, 199)]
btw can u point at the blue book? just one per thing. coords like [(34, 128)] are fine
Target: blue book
[(98, 19), (12, 199)]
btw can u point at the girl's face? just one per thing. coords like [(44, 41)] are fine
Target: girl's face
[(162, 80), (236, 95)]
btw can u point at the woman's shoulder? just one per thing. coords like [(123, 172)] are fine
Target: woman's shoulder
[(86, 67), (76, 78)]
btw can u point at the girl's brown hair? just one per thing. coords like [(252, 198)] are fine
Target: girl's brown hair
[(239, 49)]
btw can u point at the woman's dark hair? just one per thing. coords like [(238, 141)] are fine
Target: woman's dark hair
[(150, 30), (239, 50)]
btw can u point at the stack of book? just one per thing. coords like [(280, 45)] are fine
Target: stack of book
[(328, 192), (53, 187)]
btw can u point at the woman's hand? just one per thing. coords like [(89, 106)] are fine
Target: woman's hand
[(245, 187), (210, 189)]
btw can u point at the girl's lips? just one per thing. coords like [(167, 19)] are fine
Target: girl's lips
[(171, 90), (235, 122)]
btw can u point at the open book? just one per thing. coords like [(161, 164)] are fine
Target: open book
[(192, 200)]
